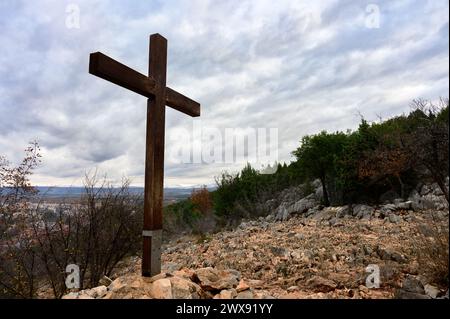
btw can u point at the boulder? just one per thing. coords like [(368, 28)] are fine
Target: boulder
[(185, 289), (211, 279), (286, 208), (415, 199), (255, 283), (425, 190), (226, 294), (404, 205), (161, 289), (117, 284), (403, 294), (177, 285), (97, 292), (105, 281), (324, 214), (281, 214), (302, 205), (247, 294), (320, 284), (362, 210), (133, 286), (387, 208), (242, 286), (434, 202), (318, 194), (429, 198), (262, 295), (71, 295), (342, 211), (412, 284), (291, 195), (171, 267), (432, 291), (393, 218), (313, 211), (429, 201), (185, 273)]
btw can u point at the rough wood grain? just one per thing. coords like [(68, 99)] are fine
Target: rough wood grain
[(113, 71), (120, 74), (154, 159)]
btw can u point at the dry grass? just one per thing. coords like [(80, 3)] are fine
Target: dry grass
[(432, 246)]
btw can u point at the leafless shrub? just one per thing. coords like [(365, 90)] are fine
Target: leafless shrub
[(429, 143), (432, 248), (95, 233), (18, 266)]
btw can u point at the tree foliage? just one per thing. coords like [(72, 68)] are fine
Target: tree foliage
[(319, 156), (355, 166)]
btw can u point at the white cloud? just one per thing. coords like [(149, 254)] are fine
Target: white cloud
[(295, 65)]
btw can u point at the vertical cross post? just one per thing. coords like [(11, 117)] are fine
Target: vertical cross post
[(154, 88), (154, 159)]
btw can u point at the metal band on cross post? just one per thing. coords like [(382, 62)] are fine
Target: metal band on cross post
[(155, 237)]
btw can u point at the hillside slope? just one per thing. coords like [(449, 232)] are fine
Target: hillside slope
[(312, 253)]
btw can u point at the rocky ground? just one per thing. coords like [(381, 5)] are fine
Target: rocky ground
[(314, 255), (303, 250)]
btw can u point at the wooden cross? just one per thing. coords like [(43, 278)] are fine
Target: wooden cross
[(154, 88)]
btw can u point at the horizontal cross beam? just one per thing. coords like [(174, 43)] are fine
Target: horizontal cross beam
[(111, 70)]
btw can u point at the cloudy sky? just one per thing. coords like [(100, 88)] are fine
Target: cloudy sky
[(296, 66)]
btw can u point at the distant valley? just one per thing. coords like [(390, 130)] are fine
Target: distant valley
[(171, 194)]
